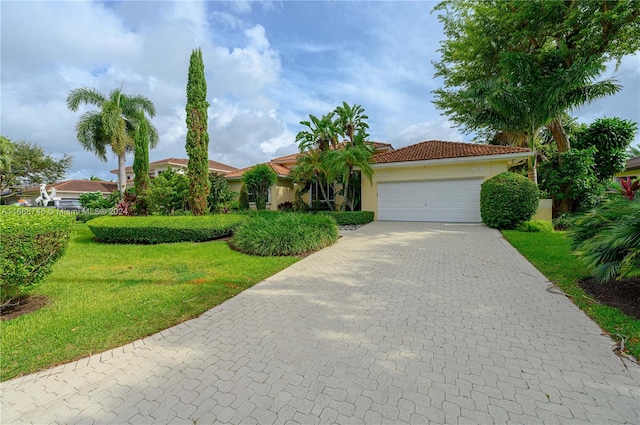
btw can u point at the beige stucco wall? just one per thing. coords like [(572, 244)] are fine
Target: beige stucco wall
[(447, 171), (629, 173), (545, 210)]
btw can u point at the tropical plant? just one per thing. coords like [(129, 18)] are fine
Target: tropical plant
[(96, 200), (356, 153), (112, 125), (311, 168), (570, 178), (258, 180), (508, 199), (479, 34), (284, 234), (607, 239), (168, 193), (197, 137), (628, 188), (220, 192), (611, 137), (633, 151), (513, 101)]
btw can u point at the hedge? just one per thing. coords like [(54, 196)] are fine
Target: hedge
[(32, 240), (508, 199), (163, 229), (284, 234), (344, 218)]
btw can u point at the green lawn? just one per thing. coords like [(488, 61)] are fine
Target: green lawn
[(551, 254), (103, 296)]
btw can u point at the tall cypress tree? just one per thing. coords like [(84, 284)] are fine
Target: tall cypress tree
[(197, 136), (141, 165)]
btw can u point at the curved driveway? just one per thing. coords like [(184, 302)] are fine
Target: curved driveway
[(396, 323)]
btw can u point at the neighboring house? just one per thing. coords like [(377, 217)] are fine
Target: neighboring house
[(434, 180), (284, 189), (177, 164), (68, 192), (633, 168)]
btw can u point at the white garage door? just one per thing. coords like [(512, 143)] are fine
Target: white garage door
[(435, 200)]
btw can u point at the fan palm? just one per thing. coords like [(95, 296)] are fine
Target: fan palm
[(113, 125)]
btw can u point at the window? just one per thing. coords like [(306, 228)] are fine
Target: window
[(252, 197), (316, 192)]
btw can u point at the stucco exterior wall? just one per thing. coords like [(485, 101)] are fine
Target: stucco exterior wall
[(282, 191), (447, 171), (629, 173)]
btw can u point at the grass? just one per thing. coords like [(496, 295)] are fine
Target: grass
[(103, 296), (280, 233), (551, 254)]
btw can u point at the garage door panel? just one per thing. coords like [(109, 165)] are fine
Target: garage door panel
[(430, 200)]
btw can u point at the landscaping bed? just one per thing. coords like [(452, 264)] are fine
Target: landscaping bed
[(623, 295)]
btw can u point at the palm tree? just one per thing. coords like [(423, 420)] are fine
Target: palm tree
[(311, 167), (532, 96), (112, 125), (321, 134), (350, 121)]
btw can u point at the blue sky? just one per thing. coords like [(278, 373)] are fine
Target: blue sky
[(268, 65)]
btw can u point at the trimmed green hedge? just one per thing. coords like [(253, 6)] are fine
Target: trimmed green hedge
[(508, 199), (163, 229), (535, 226), (344, 218), (284, 234), (31, 241)]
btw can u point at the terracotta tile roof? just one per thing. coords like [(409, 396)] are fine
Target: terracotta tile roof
[(633, 163), (80, 186), (294, 156), (436, 149), (280, 170), (213, 165)]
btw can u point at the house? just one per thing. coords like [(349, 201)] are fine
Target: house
[(67, 193), (284, 189), (632, 170), (179, 164), (434, 180)]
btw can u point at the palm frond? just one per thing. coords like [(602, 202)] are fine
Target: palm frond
[(84, 95)]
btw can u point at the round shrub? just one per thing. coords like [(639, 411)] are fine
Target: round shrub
[(284, 234), (163, 229), (32, 240), (508, 199)]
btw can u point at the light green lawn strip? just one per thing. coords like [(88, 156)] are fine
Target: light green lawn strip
[(551, 254), (103, 296)]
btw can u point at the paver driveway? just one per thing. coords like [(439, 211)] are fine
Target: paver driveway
[(396, 323)]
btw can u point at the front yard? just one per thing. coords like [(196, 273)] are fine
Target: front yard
[(102, 296), (551, 254)]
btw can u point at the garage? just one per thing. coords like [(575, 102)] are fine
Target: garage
[(456, 201)]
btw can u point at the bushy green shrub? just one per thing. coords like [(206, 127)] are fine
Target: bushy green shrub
[(159, 229), (220, 193), (243, 198), (96, 200), (535, 226), (507, 200), (608, 239), (278, 234), (564, 221), (298, 203), (345, 218), (31, 241), (168, 193)]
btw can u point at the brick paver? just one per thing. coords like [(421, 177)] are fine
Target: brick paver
[(397, 323)]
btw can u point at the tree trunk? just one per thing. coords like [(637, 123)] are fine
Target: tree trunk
[(122, 173), (562, 141), (559, 135)]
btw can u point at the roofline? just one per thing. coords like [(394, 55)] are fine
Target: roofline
[(68, 191), (240, 177), (475, 158)]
